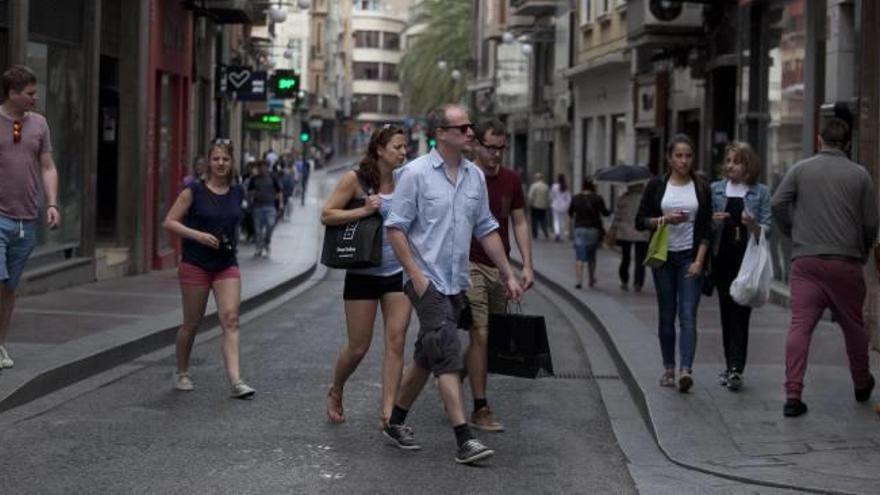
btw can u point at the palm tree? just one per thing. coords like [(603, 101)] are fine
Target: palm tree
[(447, 36)]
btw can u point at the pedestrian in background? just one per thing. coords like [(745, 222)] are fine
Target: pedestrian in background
[(303, 169), (539, 205), (440, 203), (206, 216), (827, 205), (681, 201), (287, 185), (27, 177), (586, 211), (198, 169), (560, 199), (628, 239), (368, 289), (487, 291), (265, 194), (741, 207)]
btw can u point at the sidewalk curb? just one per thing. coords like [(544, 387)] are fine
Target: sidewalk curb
[(50, 380), (638, 394)]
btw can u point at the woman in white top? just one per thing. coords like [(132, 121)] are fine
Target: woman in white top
[(560, 200), (680, 201)]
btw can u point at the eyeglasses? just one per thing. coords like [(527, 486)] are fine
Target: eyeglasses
[(495, 149), (16, 131), (463, 128)]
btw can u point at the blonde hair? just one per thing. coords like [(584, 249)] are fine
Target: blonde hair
[(744, 153), (229, 150)]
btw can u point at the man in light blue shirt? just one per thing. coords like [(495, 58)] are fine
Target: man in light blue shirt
[(440, 202)]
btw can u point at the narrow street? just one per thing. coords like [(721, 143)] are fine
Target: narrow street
[(138, 435)]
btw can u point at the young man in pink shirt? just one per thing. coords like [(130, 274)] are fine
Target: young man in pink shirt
[(26, 171)]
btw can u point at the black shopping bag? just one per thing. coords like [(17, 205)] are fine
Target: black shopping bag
[(518, 346)]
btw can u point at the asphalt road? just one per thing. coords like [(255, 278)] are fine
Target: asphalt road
[(138, 435)]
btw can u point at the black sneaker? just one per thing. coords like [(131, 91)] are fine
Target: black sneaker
[(865, 393), (401, 436), (734, 381), (472, 451), (794, 408)]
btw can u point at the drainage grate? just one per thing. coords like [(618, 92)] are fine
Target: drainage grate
[(584, 376)]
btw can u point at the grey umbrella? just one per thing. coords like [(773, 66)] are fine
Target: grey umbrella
[(623, 174)]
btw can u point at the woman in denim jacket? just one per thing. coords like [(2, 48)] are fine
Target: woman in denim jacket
[(741, 207)]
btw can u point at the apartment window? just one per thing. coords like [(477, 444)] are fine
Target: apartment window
[(366, 71), (618, 139), (390, 104), (586, 11), (372, 5), (367, 103), (366, 39), (389, 72), (604, 6), (390, 41)]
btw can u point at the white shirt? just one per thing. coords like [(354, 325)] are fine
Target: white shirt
[(736, 190), (681, 198)]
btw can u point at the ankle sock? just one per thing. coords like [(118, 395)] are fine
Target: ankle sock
[(462, 433), (479, 404), (398, 416)]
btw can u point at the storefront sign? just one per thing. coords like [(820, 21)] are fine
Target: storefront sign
[(242, 83), (264, 122), (646, 104)]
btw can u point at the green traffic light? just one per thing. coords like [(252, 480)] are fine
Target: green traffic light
[(432, 143), (304, 137)]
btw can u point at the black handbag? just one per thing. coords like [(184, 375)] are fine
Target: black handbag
[(518, 346), (357, 244)]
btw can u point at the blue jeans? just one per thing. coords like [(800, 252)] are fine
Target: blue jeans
[(586, 240), (676, 291), (264, 223), (17, 239)]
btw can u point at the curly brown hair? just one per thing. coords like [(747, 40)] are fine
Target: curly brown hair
[(369, 164)]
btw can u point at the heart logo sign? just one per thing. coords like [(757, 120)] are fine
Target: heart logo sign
[(239, 78)]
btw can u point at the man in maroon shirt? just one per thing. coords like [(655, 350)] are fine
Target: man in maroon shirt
[(506, 201)]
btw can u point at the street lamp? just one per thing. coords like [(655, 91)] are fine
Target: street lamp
[(508, 38), (442, 65), (456, 74), (527, 48)]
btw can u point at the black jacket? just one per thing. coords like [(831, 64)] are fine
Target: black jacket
[(650, 208)]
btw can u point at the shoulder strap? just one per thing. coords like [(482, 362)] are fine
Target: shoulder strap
[(367, 188)]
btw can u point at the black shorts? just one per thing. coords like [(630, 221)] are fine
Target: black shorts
[(370, 287)]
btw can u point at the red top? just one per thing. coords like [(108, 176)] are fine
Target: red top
[(505, 195)]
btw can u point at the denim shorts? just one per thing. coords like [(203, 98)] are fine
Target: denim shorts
[(585, 243), (17, 240)]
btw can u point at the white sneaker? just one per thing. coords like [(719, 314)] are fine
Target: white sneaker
[(5, 360), (182, 381), (241, 390)]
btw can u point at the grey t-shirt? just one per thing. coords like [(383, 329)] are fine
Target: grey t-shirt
[(265, 190), (20, 177)]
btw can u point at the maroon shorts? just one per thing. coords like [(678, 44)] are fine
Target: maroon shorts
[(192, 275)]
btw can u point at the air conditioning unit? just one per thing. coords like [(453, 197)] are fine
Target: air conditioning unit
[(672, 13)]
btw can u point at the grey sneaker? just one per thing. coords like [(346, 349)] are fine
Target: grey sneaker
[(734, 381), (401, 436), (472, 451), (5, 360), (722, 378), (685, 381), (182, 381), (241, 390)]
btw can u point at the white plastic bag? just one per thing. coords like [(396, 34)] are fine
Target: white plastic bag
[(751, 287)]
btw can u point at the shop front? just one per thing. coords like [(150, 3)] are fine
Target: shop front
[(169, 91)]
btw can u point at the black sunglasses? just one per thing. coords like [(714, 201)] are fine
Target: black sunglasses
[(463, 128)]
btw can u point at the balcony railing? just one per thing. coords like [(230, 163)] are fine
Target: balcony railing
[(533, 7)]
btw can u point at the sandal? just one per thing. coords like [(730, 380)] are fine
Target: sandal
[(668, 379), (334, 407)]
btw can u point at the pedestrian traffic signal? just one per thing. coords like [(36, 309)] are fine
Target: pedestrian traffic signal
[(305, 137), (432, 143), (285, 84)]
